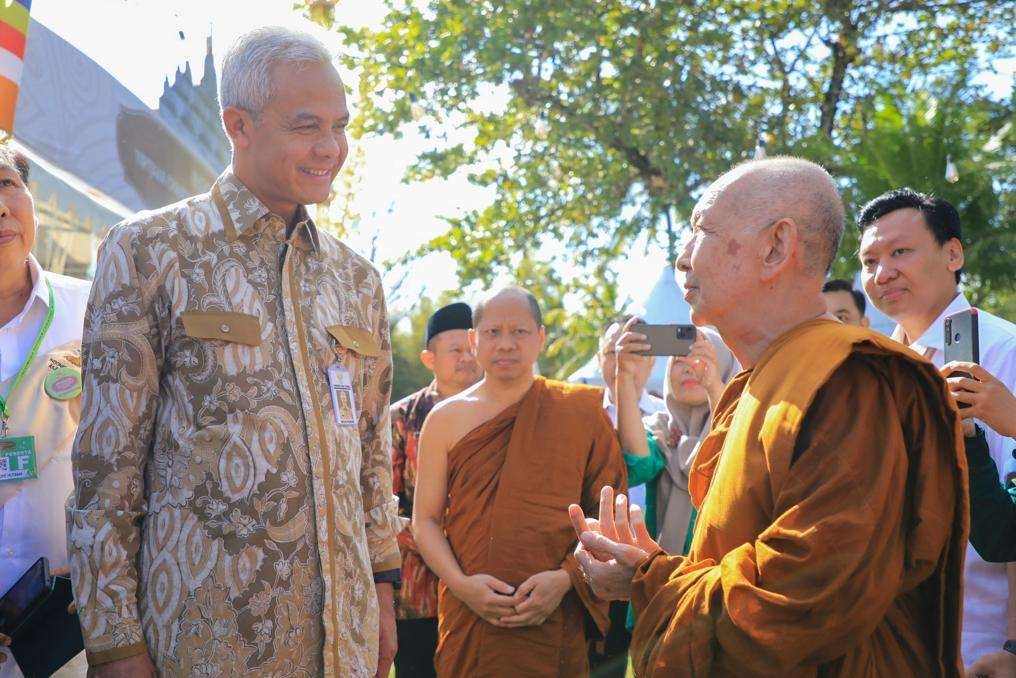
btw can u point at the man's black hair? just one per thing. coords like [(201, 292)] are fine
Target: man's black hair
[(940, 216), (839, 285)]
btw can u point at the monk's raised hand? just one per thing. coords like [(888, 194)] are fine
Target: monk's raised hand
[(578, 520), (643, 539), (583, 524), (487, 596), (607, 527), (537, 598), (610, 580), (621, 525)]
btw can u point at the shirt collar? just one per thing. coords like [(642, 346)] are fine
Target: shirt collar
[(39, 293), (933, 337), (645, 403), (38, 283), (432, 392), (243, 213)]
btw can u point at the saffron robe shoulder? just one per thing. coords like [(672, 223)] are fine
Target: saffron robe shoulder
[(510, 481), (832, 526)]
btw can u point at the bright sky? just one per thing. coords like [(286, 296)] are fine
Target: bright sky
[(148, 47), (139, 42)]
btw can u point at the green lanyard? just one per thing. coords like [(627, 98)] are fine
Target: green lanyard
[(4, 410)]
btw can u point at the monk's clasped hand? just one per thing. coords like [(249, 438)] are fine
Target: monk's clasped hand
[(536, 598), (487, 596), (610, 552)]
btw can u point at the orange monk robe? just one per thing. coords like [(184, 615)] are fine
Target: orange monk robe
[(831, 539), (510, 481)]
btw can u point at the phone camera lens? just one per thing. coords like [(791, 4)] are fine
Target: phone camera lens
[(956, 337)]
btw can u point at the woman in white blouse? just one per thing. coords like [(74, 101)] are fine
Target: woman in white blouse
[(41, 317)]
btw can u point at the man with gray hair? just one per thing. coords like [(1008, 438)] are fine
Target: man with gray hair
[(232, 511)]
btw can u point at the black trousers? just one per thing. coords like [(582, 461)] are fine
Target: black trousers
[(417, 645), (613, 661)]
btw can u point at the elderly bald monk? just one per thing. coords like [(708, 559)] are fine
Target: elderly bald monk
[(832, 505), (499, 465)]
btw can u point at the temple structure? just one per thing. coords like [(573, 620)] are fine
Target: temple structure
[(99, 154)]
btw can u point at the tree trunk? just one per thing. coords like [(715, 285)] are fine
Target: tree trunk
[(844, 52)]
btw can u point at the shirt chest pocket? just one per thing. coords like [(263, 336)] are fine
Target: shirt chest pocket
[(230, 341), (355, 348)]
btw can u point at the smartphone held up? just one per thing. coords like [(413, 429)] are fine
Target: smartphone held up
[(667, 340), (962, 343)]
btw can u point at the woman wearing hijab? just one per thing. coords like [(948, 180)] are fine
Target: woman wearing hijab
[(659, 449)]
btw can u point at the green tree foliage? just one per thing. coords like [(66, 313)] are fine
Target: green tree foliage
[(906, 141), (599, 121), (409, 375)]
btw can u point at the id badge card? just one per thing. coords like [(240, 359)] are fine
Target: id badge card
[(17, 459), (340, 384)]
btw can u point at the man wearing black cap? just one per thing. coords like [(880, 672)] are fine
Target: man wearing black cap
[(448, 356)]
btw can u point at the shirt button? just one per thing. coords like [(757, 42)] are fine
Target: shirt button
[(356, 344), (224, 327)]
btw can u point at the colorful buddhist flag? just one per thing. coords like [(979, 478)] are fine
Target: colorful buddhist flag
[(13, 33)]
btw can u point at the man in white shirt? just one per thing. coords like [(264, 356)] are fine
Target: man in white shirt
[(41, 318), (911, 257)]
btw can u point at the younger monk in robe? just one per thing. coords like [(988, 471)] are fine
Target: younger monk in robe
[(831, 490), (499, 465)]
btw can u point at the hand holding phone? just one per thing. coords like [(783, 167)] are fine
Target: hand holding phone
[(961, 342), (666, 340)]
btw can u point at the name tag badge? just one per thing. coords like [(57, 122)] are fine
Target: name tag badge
[(17, 459), (340, 383)]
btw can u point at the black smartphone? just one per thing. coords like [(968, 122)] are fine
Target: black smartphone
[(667, 340), (962, 342), (28, 592)]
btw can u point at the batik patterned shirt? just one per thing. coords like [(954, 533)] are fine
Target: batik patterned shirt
[(222, 519), (417, 599)]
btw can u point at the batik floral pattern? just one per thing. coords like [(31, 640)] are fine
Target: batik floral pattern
[(222, 520)]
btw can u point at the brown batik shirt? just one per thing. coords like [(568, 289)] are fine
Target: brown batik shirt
[(417, 597), (222, 520)]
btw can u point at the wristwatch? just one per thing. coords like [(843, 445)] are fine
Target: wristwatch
[(1010, 646)]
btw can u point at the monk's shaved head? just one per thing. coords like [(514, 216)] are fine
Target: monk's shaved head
[(510, 293), (765, 191)]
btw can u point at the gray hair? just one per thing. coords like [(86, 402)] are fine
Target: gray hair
[(246, 81)]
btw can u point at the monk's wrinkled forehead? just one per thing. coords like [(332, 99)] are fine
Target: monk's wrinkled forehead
[(714, 199), (506, 308)]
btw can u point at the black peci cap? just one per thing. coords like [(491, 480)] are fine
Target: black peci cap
[(457, 316)]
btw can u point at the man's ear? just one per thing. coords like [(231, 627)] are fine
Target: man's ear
[(239, 124), (427, 358), (543, 338), (954, 250), (472, 341), (780, 242), (865, 321)]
